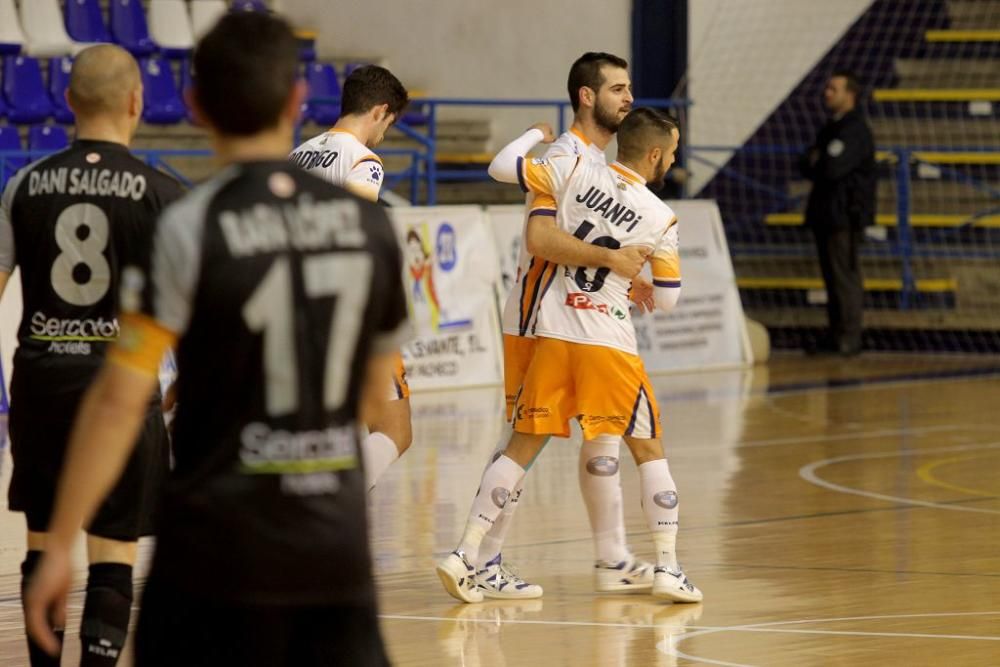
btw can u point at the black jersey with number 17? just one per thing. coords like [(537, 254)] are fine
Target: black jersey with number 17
[(280, 287), (71, 221)]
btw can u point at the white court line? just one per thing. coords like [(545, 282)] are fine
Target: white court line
[(808, 473), (669, 645), (710, 629)]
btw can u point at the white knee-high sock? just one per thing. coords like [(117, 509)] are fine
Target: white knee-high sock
[(493, 541), (379, 451), (661, 507), (600, 485), (495, 489)]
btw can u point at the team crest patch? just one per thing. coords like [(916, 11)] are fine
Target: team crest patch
[(281, 185), (835, 148), (666, 499), (537, 161), (375, 173), (602, 466), (500, 496)]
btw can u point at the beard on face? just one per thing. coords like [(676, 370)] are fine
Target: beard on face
[(607, 119), (659, 176)]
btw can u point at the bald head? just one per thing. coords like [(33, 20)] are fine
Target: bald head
[(103, 81)]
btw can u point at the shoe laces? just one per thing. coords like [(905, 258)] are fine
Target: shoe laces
[(509, 572)]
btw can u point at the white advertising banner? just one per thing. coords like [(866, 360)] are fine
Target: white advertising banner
[(707, 329), (451, 277)]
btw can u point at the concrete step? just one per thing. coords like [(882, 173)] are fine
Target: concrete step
[(926, 196), (974, 14), (935, 132), (948, 72), (485, 192)]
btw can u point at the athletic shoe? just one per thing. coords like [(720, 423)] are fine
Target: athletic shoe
[(673, 585), (458, 577), (499, 581), (630, 574)]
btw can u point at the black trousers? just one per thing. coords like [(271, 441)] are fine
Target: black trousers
[(838, 250)]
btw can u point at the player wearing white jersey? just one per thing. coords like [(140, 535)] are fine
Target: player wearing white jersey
[(371, 102), (586, 363), (339, 156), (600, 92)]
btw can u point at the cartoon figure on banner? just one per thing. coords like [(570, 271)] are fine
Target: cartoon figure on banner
[(509, 271), (426, 309)]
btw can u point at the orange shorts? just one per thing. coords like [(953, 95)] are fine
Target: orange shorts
[(400, 388), (517, 354), (606, 389)]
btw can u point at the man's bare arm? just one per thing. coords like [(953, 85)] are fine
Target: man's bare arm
[(544, 239)]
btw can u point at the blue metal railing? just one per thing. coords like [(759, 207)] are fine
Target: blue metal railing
[(428, 107), (11, 161), (423, 160)]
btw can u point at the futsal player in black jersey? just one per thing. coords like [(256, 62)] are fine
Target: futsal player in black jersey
[(282, 293), (71, 222)]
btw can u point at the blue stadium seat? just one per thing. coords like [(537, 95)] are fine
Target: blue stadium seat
[(27, 99), (129, 27), (322, 80), (162, 101), (85, 21), (59, 70), (249, 6), (10, 141), (49, 138)]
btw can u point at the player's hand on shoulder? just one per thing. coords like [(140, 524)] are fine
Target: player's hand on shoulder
[(548, 133), (627, 262)]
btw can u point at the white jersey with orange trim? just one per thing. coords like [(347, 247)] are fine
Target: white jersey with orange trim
[(339, 157), (610, 206), (522, 303)]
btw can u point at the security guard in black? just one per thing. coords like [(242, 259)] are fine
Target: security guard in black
[(841, 165)]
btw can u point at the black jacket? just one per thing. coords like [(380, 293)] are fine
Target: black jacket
[(843, 175)]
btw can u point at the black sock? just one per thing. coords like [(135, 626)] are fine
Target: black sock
[(36, 656), (106, 612)]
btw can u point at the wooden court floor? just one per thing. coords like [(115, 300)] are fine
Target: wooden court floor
[(833, 513)]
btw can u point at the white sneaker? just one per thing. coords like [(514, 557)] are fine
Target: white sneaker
[(674, 585), (458, 577), (630, 574), (499, 581)]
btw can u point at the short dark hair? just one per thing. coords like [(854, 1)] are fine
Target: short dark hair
[(640, 128), (371, 86), (245, 68), (586, 71), (853, 82)]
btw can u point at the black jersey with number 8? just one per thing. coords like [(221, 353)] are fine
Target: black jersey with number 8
[(71, 221)]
